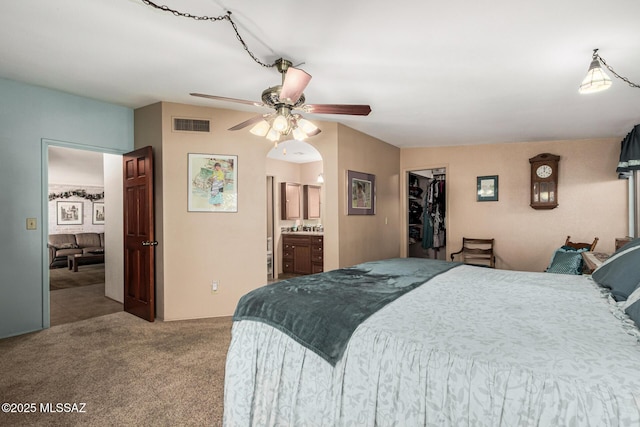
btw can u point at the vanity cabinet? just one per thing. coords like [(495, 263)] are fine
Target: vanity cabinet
[(302, 253), (289, 200), (317, 258), (311, 201)]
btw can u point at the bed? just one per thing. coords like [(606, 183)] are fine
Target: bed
[(443, 344)]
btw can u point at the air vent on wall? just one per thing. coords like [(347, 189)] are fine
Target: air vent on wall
[(190, 125)]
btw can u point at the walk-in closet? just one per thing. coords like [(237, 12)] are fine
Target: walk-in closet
[(427, 214)]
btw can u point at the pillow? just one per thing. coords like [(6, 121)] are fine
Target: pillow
[(635, 296), (566, 262), (67, 246), (633, 309), (621, 271)]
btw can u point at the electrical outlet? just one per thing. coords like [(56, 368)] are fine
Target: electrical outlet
[(214, 286)]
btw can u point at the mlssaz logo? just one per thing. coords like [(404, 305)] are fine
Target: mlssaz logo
[(63, 407)]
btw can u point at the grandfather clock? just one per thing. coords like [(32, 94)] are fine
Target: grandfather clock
[(544, 181)]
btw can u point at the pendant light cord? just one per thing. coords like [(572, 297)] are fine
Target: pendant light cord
[(226, 17)]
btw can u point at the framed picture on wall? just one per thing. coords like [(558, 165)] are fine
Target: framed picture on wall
[(98, 213), (212, 183), (69, 213), (361, 193), (487, 187)]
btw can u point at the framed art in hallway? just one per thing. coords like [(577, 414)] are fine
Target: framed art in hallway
[(98, 213), (361, 193), (69, 213), (212, 183)]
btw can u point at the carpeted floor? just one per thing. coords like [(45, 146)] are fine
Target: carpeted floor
[(63, 278), (80, 303), (79, 295), (127, 371)]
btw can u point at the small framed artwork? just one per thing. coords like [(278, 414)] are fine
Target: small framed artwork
[(69, 213), (361, 193), (487, 188), (98, 213), (213, 181)]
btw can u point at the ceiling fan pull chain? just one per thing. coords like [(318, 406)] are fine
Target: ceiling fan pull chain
[(211, 18)]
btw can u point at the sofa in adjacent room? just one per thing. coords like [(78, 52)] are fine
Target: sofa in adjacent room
[(62, 245)]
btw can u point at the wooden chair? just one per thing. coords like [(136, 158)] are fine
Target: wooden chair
[(574, 245), (477, 252)]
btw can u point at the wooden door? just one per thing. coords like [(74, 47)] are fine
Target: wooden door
[(139, 235)]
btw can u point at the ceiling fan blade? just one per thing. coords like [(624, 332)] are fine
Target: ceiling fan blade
[(351, 109), (222, 98), (295, 81), (251, 121)]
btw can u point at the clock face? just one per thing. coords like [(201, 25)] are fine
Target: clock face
[(544, 171)]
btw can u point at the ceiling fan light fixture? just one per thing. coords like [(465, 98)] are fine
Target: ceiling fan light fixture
[(273, 135), (280, 124), (307, 127), (261, 128), (596, 79), (299, 134)]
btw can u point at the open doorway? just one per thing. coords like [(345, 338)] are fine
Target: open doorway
[(81, 191), (297, 165), (427, 213)]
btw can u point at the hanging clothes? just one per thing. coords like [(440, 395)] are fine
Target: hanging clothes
[(434, 214)]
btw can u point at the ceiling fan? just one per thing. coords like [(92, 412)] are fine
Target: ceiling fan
[(285, 99)]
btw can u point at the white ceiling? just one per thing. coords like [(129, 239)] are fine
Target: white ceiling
[(435, 73)]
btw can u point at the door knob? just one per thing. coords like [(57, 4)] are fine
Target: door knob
[(148, 243)]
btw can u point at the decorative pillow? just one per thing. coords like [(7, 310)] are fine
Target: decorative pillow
[(566, 262), (621, 271), (67, 246), (634, 312)]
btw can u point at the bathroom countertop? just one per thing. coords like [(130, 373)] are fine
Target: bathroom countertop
[(305, 233)]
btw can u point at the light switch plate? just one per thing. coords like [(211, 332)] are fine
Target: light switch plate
[(32, 224)]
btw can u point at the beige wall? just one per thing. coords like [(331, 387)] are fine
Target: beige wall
[(148, 131), (369, 237), (592, 201)]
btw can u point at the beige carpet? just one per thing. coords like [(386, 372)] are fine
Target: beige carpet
[(63, 278), (80, 303), (129, 372)]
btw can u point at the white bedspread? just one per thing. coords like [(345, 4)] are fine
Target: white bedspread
[(472, 347)]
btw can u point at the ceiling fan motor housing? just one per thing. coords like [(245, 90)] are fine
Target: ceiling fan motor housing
[(271, 97)]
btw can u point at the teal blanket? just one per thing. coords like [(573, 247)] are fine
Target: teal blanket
[(321, 311)]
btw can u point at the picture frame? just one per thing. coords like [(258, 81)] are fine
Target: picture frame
[(97, 215), (361, 193), (487, 188), (69, 213), (212, 183)]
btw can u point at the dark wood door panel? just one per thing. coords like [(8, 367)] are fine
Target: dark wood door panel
[(139, 235)]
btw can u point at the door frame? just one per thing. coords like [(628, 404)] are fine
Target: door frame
[(404, 205), (44, 212)]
